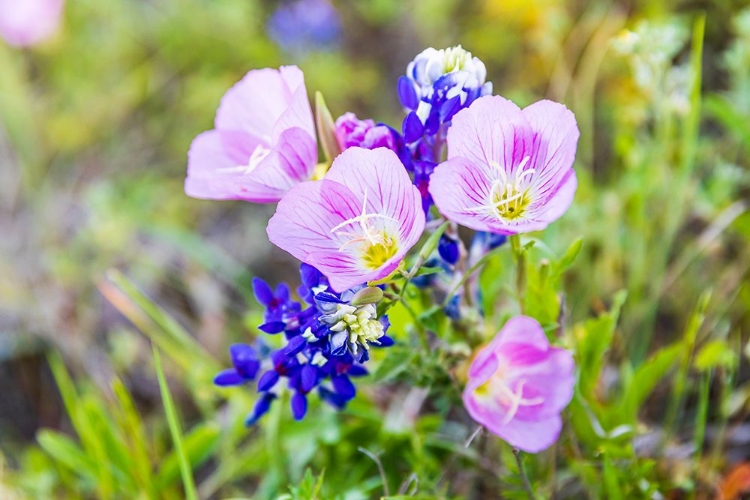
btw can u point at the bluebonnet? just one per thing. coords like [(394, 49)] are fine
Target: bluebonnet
[(299, 25), (438, 84), (328, 340)]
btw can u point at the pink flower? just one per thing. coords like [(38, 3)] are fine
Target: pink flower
[(24, 23), (519, 384), (353, 132), (263, 144), (508, 170), (355, 225)]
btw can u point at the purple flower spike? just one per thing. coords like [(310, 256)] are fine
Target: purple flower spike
[(357, 224), (263, 144), (509, 170), (519, 384), (24, 23)]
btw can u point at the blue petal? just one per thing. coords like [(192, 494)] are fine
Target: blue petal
[(357, 371), (309, 377), (299, 406), (267, 380), (295, 345), (344, 386), (229, 377), (449, 108), (273, 327), (245, 360), (262, 291), (282, 292), (338, 343), (332, 398), (385, 341), (407, 94), (261, 408), (448, 249), (412, 127)]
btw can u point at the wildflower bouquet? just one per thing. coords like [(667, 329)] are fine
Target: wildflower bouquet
[(376, 227)]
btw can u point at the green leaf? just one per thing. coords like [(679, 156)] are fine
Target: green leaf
[(426, 271), (396, 362), (309, 488), (714, 354), (593, 340), (161, 328), (68, 453), (326, 129), (646, 377), (198, 445), (570, 255), (174, 429)]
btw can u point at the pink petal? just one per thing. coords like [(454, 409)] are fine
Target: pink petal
[(523, 330), (491, 129), (302, 226), (305, 219), (298, 114), (380, 176), (210, 165), (556, 126), (24, 23), (558, 200), (531, 437), (261, 99)]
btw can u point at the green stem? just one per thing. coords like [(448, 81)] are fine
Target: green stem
[(522, 473), (519, 256)]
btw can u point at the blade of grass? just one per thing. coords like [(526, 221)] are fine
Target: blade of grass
[(174, 429)]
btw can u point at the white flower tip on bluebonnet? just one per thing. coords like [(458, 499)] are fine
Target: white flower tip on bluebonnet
[(431, 64)]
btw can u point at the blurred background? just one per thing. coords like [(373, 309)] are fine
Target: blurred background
[(96, 119)]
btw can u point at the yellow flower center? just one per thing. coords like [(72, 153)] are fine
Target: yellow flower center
[(377, 254), (367, 236), (510, 203)]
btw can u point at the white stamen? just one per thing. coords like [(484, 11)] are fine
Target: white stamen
[(258, 155)]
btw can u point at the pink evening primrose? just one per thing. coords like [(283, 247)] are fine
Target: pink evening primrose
[(509, 170), (519, 384), (356, 224), (263, 144), (24, 23)]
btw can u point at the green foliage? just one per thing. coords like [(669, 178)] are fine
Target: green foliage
[(645, 279)]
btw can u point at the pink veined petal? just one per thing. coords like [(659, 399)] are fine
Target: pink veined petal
[(492, 129), (523, 330), (529, 436), (211, 175), (24, 23), (557, 201), (298, 114), (254, 104), (555, 126), (482, 367), (292, 160), (459, 187), (205, 180), (380, 176), (304, 218), (553, 380)]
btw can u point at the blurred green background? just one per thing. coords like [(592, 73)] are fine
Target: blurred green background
[(96, 123)]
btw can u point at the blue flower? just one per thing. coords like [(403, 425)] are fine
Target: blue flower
[(246, 366), (438, 84), (327, 342), (299, 25)]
